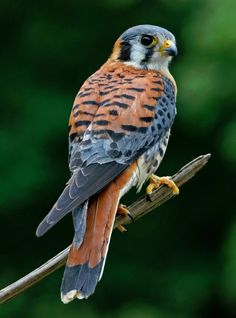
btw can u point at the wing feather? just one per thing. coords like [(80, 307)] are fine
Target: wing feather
[(119, 113), (82, 190)]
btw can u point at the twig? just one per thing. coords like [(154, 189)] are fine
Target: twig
[(138, 209)]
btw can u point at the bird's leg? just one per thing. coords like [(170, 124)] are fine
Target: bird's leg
[(156, 182), (122, 210)]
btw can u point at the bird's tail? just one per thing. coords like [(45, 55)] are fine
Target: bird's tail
[(86, 260), (93, 222)]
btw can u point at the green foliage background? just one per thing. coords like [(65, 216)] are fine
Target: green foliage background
[(177, 262)]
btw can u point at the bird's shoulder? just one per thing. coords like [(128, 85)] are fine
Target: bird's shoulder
[(117, 94)]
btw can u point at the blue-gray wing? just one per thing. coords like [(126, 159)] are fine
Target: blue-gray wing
[(111, 125)]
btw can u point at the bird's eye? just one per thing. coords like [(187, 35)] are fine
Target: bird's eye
[(148, 40)]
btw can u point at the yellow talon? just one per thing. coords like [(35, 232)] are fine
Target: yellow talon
[(156, 182), (121, 228), (122, 210)]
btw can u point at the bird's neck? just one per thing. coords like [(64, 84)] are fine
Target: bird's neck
[(118, 66)]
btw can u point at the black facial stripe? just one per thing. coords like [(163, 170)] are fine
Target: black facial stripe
[(125, 51), (148, 55)]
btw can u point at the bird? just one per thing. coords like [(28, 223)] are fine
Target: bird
[(119, 129)]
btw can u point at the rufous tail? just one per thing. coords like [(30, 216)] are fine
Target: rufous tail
[(87, 257), (85, 264)]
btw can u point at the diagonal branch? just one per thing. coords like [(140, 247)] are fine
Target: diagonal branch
[(139, 208)]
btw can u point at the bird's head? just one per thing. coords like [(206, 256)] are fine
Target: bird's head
[(146, 47)]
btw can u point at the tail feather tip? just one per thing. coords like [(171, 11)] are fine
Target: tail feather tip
[(71, 295)]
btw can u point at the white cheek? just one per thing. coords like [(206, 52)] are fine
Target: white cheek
[(137, 55), (159, 61)]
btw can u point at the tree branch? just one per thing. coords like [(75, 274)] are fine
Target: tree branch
[(139, 208)]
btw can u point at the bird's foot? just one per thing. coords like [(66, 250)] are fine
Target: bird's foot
[(156, 182), (122, 210)]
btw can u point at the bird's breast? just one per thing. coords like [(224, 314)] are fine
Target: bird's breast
[(151, 159)]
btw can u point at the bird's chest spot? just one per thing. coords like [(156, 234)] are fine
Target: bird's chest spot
[(151, 159)]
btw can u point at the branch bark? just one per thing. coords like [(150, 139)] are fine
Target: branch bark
[(139, 208)]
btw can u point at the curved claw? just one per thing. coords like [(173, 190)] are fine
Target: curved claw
[(156, 182), (122, 210)]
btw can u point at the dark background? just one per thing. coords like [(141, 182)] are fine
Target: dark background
[(177, 262)]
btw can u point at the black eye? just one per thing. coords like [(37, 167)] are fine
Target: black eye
[(147, 40)]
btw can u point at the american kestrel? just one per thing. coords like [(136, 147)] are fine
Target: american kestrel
[(119, 129)]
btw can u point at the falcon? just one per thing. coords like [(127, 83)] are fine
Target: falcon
[(119, 129)]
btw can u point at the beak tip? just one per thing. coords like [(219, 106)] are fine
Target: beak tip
[(172, 51)]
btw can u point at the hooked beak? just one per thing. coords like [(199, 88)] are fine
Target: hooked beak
[(168, 48)]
